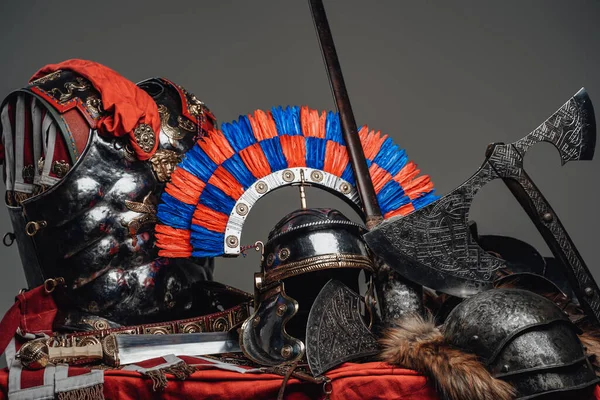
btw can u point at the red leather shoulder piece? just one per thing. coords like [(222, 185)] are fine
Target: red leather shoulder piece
[(193, 109), (76, 105), (128, 110)]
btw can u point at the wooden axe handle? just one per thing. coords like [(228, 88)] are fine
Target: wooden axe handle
[(356, 154)]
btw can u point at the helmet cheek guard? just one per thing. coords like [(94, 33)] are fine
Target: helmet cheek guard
[(263, 336)]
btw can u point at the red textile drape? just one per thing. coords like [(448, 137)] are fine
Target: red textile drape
[(33, 312), (350, 381), (126, 104)]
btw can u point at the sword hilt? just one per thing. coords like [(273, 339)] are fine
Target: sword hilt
[(38, 353)]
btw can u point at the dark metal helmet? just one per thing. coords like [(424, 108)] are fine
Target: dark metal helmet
[(305, 250), (524, 339), (87, 214), (315, 239)]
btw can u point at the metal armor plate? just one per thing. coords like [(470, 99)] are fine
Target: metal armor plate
[(336, 332), (263, 338)]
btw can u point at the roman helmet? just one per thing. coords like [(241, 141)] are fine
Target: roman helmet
[(313, 256), (305, 251)]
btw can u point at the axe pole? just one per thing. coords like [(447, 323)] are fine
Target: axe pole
[(356, 154)]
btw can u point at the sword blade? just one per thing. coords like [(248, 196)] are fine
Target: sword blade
[(136, 348)]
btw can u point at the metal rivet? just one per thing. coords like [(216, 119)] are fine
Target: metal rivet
[(505, 368), (232, 241), (241, 209), (345, 188), (288, 175), (475, 338), (316, 176), (281, 309), (284, 254), (286, 351), (589, 291), (261, 187), (547, 217), (270, 259), (33, 227)]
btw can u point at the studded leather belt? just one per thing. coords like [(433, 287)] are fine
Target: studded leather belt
[(221, 321)]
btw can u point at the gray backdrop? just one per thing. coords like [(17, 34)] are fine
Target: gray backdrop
[(443, 79)]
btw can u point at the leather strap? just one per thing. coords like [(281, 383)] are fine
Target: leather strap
[(222, 321)]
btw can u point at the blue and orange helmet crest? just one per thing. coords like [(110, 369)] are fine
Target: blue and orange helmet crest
[(226, 164)]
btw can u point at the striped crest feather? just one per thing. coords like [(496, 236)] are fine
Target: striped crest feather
[(223, 165)]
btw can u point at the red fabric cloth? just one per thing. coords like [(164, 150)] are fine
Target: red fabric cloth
[(126, 104), (33, 312), (349, 382)]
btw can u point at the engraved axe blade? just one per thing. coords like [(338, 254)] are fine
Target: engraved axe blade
[(433, 246), (335, 331)]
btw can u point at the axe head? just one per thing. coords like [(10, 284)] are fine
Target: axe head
[(579, 142), (336, 332), (428, 247), (433, 245)]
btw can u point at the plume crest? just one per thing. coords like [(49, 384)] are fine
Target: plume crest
[(214, 175)]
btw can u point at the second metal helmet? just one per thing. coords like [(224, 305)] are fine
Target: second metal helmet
[(523, 339)]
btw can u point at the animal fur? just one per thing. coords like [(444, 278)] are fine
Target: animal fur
[(417, 344)]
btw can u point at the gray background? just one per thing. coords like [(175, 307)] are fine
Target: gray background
[(444, 79)]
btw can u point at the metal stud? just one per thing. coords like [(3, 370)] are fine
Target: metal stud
[(284, 254), (281, 309), (261, 187), (316, 176), (232, 241), (345, 188), (241, 209), (288, 175), (286, 351)]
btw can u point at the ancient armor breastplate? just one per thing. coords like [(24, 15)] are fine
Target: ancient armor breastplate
[(94, 226)]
